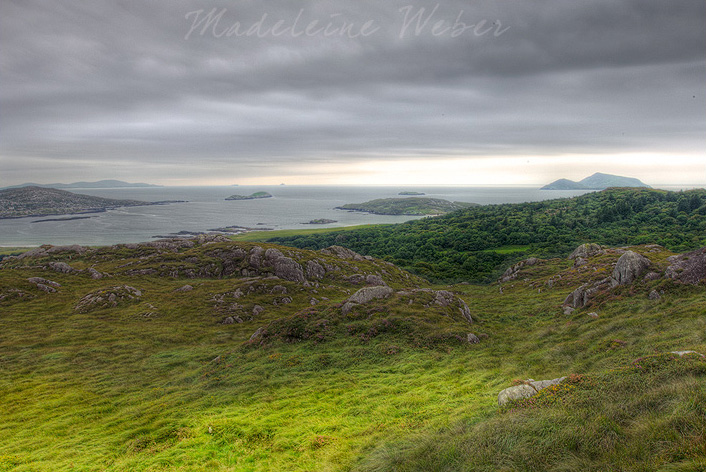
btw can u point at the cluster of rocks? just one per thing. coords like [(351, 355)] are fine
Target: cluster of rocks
[(512, 272), (110, 297), (45, 285)]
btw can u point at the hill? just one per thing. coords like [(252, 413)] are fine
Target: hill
[(412, 206), (206, 354), (39, 201), (597, 181), (475, 244), (98, 184)]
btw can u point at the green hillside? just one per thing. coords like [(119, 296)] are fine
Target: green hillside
[(469, 244), (210, 355)]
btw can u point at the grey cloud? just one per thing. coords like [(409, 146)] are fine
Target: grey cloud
[(116, 83)]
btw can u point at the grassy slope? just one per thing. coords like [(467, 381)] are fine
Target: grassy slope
[(121, 390), (262, 236)]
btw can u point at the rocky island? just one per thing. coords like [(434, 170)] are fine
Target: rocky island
[(597, 181), (253, 196), (416, 194), (320, 221), (41, 201), (407, 206)]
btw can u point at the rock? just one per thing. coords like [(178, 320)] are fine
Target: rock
[(257, 334), (652, 276), (580, 261), (46, 288), (593, 315), (568, 309), (472, 339), (185, 288), (72, 248), (94, 273), (43, 281), (342, 253), (585, 251), (529, 389), (108, 298), (364, 295), (229, 320), (443, 297), (512, 272), (688, 268), (654, 295), (255, 257), (257, 309), (683, 353), (465, 311), (284, 267), (313, 301), (281, 289), (62, 267), (374, 280), (314, 270), (629, 267)]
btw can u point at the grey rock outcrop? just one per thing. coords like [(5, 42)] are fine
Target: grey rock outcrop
[(580, 297), (529, 389), (94, 273), (185, 288), (342, 252), (364, 295), (512, 271), (43, 281), (587, 250), (62, 267), (629, 267), (314, 270), (688, 268), (284, 267), (472, 338), (654, 295)]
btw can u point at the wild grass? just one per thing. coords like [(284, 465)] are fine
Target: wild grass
[(162, 385)]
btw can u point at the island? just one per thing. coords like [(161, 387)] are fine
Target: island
[(413, 206), (412, 193), (320, 221), (98, 184), (41, 201), (253, 196), (597, 181)]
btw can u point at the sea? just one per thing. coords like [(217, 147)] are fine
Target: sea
[(205, 208)]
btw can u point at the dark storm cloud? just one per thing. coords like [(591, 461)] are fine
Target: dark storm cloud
[(92, 83)]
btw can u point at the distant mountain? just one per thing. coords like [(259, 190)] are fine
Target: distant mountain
[(98, 184), (40, 201), (597, 181)]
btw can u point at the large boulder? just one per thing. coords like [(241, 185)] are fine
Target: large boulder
[(629, 267), (364, 295), (688, 268), (342, 253), (284, 267), (512, 271), (587, 250), (528, 389)]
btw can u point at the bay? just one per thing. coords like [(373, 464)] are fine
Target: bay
[(206, 208)]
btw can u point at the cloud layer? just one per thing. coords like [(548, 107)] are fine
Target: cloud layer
[(184, 91)]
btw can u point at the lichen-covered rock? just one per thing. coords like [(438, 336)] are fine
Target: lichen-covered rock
[(580, 297), (366, 294), (528, 389), (185, 288), (284, 267), (62, 267), (43, 281), (654, 295), (587, 250), (688, 268), (512, 272), (472, 338), (629, 267), (314, 270), (108, 298), (95, 275), (342, 252), (257, 309)]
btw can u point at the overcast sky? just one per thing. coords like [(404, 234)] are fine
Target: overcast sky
[(352, 92)]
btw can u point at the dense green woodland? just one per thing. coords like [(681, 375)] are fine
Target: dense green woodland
[(477, 243)]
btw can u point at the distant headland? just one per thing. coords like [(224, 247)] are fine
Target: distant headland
[(597, 181)]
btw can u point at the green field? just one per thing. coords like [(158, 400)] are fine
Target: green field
[(262, 236), (160, 384)]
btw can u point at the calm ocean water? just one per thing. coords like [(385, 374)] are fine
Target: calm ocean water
[(207, 209)]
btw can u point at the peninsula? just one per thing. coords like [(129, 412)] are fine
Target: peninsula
[(41, 201)]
